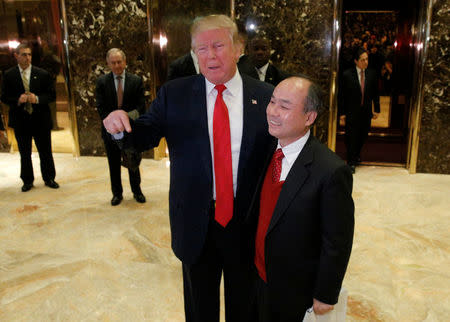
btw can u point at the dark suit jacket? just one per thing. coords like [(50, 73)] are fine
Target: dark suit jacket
[(179, 114), (41, 85), (106, 96), (309, 239), (273, 75), (350, 94), (181, 67)]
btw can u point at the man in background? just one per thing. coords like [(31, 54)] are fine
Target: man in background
[(119, 90), (258, 65), (28, 90), (358, 92)]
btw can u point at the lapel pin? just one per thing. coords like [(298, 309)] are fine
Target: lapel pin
[(254, 102)]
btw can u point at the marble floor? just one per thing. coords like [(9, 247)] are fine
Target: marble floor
[(67, 255)]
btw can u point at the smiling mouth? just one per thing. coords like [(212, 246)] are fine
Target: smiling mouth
[(271, 122)]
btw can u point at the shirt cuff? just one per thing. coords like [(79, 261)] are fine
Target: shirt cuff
[(118, 136)]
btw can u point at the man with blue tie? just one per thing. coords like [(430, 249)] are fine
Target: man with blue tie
[(216, 130), (28, 90)]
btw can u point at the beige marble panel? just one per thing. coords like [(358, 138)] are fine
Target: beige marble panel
[(67, 255)]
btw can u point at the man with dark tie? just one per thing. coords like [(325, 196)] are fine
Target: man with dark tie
[(28, 90), (304, 211), (358, 91), (258, 64), (124, 91), (216, 130)]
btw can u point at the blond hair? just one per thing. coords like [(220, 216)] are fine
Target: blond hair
[(211, 22)]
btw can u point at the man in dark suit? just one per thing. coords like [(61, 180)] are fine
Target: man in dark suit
[(119, 90), (28, 90), (358, 91), (216, 131), (258, 65), (183, 66), (304, 211)]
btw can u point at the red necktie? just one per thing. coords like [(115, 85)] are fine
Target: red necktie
[(362, 87), (119, 91), (276, 171), (222, 160)]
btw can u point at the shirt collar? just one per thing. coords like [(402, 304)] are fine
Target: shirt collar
[(232, 85), (292, 150), (263, 69), (123, 75), (26, 70), (358, 70)]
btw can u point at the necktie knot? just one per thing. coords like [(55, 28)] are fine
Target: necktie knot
[(119, 77), (277, 159), (220, 88)]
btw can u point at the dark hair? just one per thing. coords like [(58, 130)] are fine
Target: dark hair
[(314, 98), (23, 45), (358, 52)]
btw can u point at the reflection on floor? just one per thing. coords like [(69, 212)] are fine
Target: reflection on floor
[(62, 140), (67, 255)]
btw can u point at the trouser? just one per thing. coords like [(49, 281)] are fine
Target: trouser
[(227, 251), (42, 139), (114, 156)]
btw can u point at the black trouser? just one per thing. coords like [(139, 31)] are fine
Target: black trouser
[(114, 156), (43, 141), (356, 133), (226, 250), (270, 311)]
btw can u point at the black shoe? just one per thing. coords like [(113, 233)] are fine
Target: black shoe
[(116, 200), (139, 197), (353, 168), (52, 184), (26, 187)]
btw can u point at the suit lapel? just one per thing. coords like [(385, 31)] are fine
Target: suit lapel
[(126, 89), (294, 182), (269, 74), (19, 79), (199, 91), (112, 88), (249, 130)]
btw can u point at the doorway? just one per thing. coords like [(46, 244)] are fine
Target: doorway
[(385, 30), (37, 22)]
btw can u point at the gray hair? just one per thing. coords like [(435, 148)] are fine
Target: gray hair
[(114, 51)]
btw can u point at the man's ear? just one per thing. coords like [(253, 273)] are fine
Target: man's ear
[(310, 118)]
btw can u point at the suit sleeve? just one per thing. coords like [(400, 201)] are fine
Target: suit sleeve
[(140, 97), (376, 94), (9, 96), (337, 226), (47, 91), (100, 98), (150, 127)]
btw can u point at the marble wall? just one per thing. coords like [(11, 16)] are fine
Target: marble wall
[(93, 28), (434, 147), (301, 35)]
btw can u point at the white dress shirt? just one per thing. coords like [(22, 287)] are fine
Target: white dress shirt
[(27, 73), (116, 81), (234, 99), (262, 72), (291, 152)]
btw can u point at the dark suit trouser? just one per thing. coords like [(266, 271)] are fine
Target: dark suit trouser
[(42, 139), (268, 311), (357, 128), (225, 251), (114, 156)]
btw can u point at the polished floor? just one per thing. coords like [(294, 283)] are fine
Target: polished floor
[(67, 255)]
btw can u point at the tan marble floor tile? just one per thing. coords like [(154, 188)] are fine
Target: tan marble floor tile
[(67, 255)]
